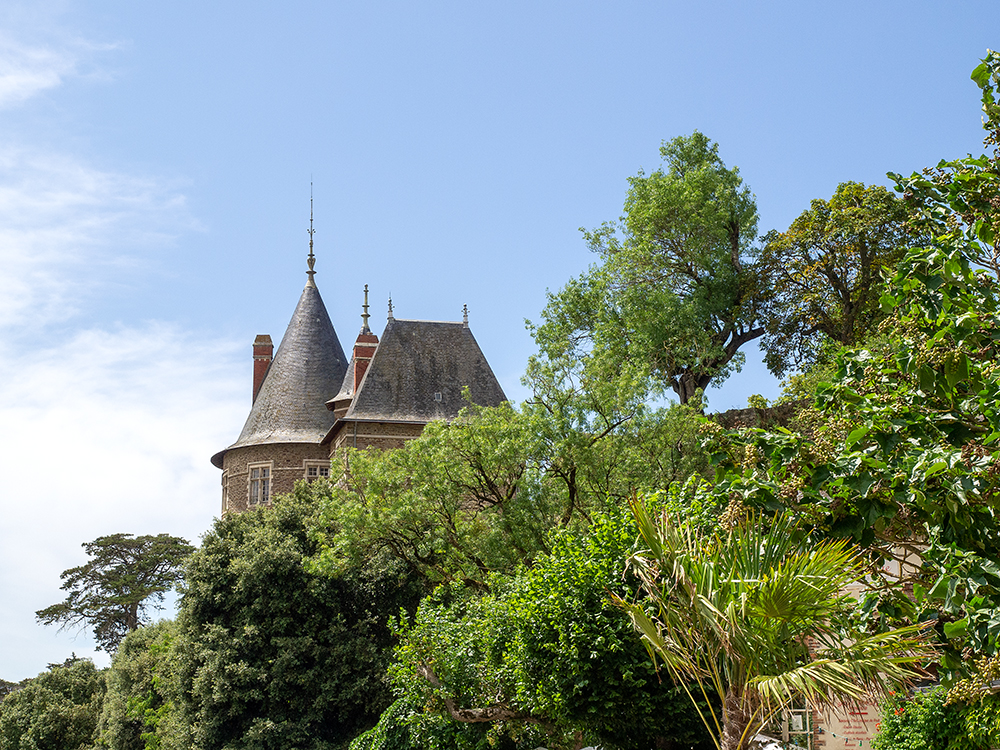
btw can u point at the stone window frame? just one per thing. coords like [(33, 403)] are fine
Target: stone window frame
[(313, 470), (225, 490), (264, 479)]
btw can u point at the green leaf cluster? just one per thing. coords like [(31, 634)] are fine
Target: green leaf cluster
[(546, 657), (676, 293), (57, 710)]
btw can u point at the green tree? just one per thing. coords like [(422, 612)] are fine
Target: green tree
[(57, 710), (139, 710), (269, 655), (546, 657), (904, 453), (676, 293), (112, 591), (758, 615), (481, 494), (827, 270)]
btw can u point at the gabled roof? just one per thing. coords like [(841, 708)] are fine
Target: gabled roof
[(307, 369), (418, 372)]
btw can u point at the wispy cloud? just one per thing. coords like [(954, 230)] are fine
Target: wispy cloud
[(27, 70), (64, 223), (107, 431)]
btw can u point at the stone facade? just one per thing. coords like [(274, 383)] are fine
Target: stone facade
[(309, 402), (374, 435), (287, 463)]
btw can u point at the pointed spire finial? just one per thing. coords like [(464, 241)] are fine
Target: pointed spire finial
[(365, 315), (312, 258), (465, 315), (389, 317)]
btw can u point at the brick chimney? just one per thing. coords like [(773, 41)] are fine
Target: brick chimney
[(263, 352), (364, 350)]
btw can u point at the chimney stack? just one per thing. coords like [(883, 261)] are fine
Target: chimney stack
[(263, 352)]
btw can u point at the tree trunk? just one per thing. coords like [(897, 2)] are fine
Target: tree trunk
[(734, 723)]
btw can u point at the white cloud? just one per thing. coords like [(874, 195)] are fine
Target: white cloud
[(26, 70), (109, 431), (64, 224)]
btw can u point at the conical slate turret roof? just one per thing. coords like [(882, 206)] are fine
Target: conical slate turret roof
[(307, 369)]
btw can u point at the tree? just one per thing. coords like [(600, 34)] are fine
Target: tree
[(676, 295), (270, 655), (140, 708), (903, 456), (112, 591), (57, 710), (757, 615), (827, 270), (545, 657), (482, 494)]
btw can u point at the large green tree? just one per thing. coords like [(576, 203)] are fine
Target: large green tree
[(270, 655), (676, 293), (827, 272), (57, 710), (112, 591), (545, 657), (902, 456), (482, 494)]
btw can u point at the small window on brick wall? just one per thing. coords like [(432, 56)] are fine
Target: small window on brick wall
[(260, 483), (315, 470)]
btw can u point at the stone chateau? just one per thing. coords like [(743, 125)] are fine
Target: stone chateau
[(309, 400)]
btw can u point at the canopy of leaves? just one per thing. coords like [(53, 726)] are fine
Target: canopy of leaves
[(758, 615), (112, 591), (481, 494), (827, 270), (547, 655), (675, 295), (904, 458), (139, 709), (57, 710), (270, 655)]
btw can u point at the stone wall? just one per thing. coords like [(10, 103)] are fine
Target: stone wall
[(381, 435), (288, 463)]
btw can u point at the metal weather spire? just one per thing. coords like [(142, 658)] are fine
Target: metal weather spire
[(390, 307), (312, 258), (465, 315), (365, 315)]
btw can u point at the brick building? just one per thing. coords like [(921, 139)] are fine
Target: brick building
[(309, 400)]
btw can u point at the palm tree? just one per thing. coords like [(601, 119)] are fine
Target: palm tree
[(758, 616)]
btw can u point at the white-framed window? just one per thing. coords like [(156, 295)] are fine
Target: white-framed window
[(260, 483), (316, 469), (225, 490)]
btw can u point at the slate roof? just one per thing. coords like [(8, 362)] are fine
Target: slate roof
[(307, 369), (414, 361)]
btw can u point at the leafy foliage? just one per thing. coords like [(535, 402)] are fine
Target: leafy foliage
[(112, 591), (139, 710), (546, 657), (676, 295), (480, 495), (919, 721), (270, 655), (827, 270), (57, 710), (757, 615)]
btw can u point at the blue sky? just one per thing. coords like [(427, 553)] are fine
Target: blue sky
[(155, 164)]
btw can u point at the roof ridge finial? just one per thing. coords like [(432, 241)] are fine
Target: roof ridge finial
[(465, 315), (389, 317), (312, 258), (365, 315)]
